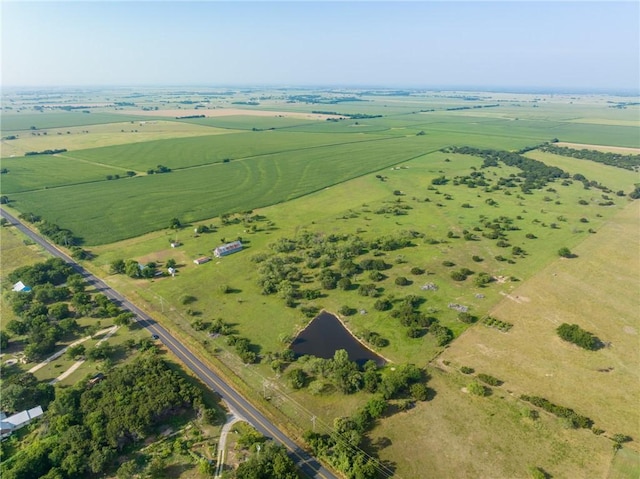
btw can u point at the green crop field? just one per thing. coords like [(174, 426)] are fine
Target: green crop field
[(23, 122), (187, 152), (141, 204)]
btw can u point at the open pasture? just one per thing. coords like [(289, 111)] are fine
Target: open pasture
[(596, 290), (350, 208), (491, 435), (457, 434), (610, 176), (107, 134)]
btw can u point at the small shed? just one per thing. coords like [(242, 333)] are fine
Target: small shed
[(20, 287), (227, 249), (202, 260)]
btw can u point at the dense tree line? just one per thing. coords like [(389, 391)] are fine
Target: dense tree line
[(60, 236), (87, 428), (574, 419), (628, 162), (535, 173), (45, 152)]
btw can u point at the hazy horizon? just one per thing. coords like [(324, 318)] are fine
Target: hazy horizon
[(535, 47)]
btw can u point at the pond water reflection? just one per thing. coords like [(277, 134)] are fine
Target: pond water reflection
[(325, 334)]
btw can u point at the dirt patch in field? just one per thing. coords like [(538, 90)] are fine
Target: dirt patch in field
[(230, 112), (616, 149)]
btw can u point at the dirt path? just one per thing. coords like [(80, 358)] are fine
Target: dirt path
[(232, 418), (55, 356), (77, 364)]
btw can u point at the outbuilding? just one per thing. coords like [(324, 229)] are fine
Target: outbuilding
[(227, 249), (20, 287), (202, 260)]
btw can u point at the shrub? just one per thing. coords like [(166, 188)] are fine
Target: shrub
[(578, 336), (477, 389), (477, 258), (346, 311), (565, 252), (448, 263), (467, 370), (466, 318), (458, 276), (417, 271), (490, 380), (383, 305), (402, 281)]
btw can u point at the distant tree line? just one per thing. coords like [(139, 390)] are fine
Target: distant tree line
[(45, 152), (455, 108), (535, 173), (186, 117), (628, 162)]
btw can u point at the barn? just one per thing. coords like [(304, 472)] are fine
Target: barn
[(227, 249)]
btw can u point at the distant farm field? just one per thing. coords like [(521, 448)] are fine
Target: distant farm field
[(23, 122), (138, 205), (107, 134)]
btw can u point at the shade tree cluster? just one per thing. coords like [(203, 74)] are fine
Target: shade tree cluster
[(87, 429), (341, 447)]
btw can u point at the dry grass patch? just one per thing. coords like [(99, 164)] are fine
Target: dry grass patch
[(460, 435), (598, 290), (109, 134), (612, 149)]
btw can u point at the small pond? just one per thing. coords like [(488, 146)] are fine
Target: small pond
[(325, 335)]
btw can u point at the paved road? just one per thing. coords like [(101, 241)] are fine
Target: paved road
[(308, 464)]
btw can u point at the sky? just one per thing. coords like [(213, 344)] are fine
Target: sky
[(579, 45)]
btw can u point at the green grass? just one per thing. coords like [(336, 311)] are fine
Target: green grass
[(625, 465), (610, 176), (248, 122)]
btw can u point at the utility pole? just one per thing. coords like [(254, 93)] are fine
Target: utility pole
[(313, 421)]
